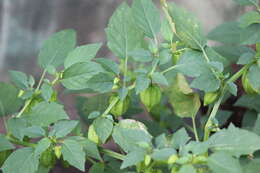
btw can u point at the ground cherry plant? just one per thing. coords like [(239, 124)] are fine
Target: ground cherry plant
[(169, 104)]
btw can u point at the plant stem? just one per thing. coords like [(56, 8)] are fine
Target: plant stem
[(22, 143), (27, 103), (195, 128), (125, 71), (169, 69), (168, 17), (217, 104), (113, 154), (41, 80), (111, 105)]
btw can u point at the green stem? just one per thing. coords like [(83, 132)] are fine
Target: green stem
[(111, 105), (22, 143), (41, 80), (195, 128), (27, 103), (168, 17), (217, 104), (113, 154), (169, 69)]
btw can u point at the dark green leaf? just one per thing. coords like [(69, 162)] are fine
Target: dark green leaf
[(63, 128), (20, 79), (141, 55), (42, 146), (102, 82), (163, 154), (180, 138), (82, 54), (249, 101), (103, 128), (46, 91), (142, 82), (5, 144), (56, 48), (133, 158), (97, 168), (147, 17), (249, 18), (33, 132), (16, 126), (109, 65), (187, 169), (159, 79)]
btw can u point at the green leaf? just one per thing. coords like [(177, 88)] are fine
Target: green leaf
[(73, 152), (76, 76), (180, 138), (128, 138), (250, 35), (159, 79), (253, 76), (97, 168), (223, 162), (249, 18), (187, 169), (122, 34), (133, 158), (103, 128), (207, 82), (9, 101), (42, 146), (33, 132), (249, 101), (252, 167), (246, 2), (142, 82), (228, 33), (91, 149), (235, 141), (56, 48), (102, 82), (232, 88), (188, 28), (44, 114), (197, 148), (256, 127), (215, 56), (5, 144), (16, 126), (20, 79), (184, 101), (246, 58), (46, 91), (147, 17), (141, 55), (163, 154), (109, 65), (63, 128), (24, 159), (82, 54), (166, 31)]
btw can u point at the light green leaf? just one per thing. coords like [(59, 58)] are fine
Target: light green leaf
[(63, 128), (73, 152), (133, 158), (166, 31), (103, 128), (91, 149), (184, 101), (24, 159), (235, 141), (253, 76), (249, 18), (5, 144), (33, 132), (46, 91), (180, 138), (122, 34), (215, 56), (16, 126), (109, 65), (76, 76), (159, 79), (252, 167), (142, 82), (20, 79), (102, 82), (56, 48), (207, 82), (187, 169), (147, 17), (9, 101), (42, 146), (246, 58), (223, 162), (188, 28), (82, 54), (44, 114), (250, 35)]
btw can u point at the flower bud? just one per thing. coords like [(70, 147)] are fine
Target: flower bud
[(151, 96), (172, 159), (57, 151), (147, 160), (48, 158), (246, 84), (210, 97)]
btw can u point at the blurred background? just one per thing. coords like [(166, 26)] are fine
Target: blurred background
[(25, 24)]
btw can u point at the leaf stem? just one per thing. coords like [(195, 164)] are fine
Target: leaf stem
[(111, 105), (113, 154), (169, 69), (22, 143), (195, 128)]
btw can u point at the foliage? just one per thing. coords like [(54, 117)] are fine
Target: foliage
[(165, 70)]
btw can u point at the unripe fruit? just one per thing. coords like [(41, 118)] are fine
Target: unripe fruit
[(247, 86), (120, 107), (92, 135), (151, 96), (48, 158), (175, 58), (147, 160), (210, 97)]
